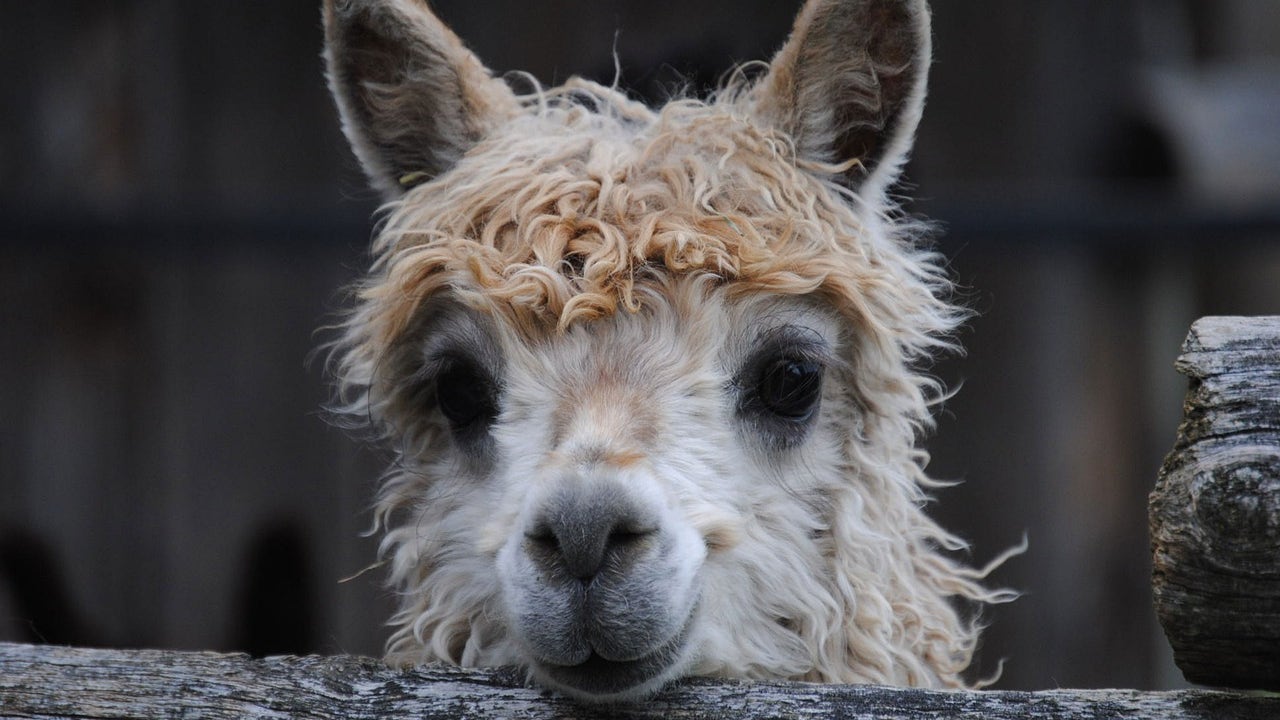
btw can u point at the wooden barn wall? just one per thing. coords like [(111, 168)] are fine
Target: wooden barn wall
[(178, 212)]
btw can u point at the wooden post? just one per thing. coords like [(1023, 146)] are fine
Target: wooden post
[(1215, 510), (40, 681)]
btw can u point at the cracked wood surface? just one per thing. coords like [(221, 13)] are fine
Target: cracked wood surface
[(1215, 510), (41, 681)]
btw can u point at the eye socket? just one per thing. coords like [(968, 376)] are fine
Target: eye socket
[(790, 388), (465, 395)]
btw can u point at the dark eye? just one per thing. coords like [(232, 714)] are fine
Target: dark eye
[(790, 388), (465, 395)]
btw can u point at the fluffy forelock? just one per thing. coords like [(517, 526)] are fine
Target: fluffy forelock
[(567, 213)]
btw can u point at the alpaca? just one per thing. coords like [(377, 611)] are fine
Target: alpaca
[(652, 375)]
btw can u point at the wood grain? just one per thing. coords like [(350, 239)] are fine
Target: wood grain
[(40, 681), (1215, 510)]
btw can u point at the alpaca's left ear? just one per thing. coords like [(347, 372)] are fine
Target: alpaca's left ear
[(413, 99), (849, 84)]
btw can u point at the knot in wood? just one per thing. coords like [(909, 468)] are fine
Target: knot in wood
[(1237, 502)]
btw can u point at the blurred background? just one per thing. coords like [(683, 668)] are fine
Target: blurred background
[(178, 212)]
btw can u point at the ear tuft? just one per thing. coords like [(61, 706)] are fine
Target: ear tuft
[(413, 99), (849, 85)]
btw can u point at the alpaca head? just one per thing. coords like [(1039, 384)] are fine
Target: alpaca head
[(649, 373)]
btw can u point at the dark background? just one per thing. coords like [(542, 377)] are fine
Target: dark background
[(178, 211)]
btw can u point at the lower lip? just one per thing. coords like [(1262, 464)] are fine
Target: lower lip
[(601, 677)]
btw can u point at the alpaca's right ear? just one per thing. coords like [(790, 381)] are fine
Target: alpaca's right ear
[(413, 99)]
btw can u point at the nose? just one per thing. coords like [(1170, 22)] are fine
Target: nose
[(583, 532)]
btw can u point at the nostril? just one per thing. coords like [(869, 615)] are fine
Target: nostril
[(543, 536), (627, 535), (543, 546)]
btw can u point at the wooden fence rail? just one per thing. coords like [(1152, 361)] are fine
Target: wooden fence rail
[(40, 681)]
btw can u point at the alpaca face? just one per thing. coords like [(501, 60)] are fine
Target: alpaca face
[(600, 482), (649, 374)]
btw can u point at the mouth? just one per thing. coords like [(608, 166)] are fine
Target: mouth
[(598, 679)]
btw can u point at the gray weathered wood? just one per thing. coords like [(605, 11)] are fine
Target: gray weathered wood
[(1215, 510), (47, 682)]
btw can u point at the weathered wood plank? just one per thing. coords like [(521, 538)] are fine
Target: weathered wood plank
[(38, 681), (1215, 510)]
